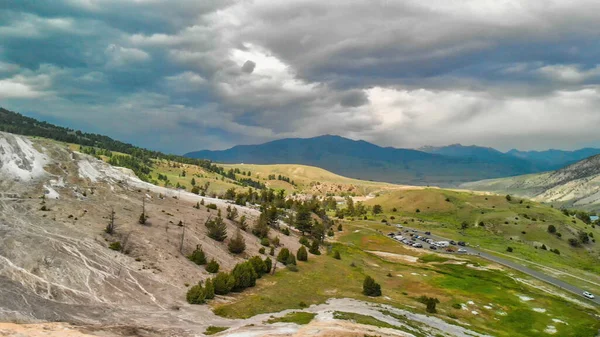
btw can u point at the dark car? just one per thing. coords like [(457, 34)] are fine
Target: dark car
[(427, 233), (391, 234), (432, 247), (452, 242), (461, 243)]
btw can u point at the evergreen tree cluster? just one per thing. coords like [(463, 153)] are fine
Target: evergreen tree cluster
[(243, 276)]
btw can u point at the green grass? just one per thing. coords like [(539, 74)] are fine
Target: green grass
[(323, 278), (432, 258), (297, 317), (362, 319), (211, 330)]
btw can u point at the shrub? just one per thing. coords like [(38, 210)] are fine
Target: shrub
[(196, 294), (209, 290), (304, 241), (237, 244), (265, 242), (430, 302), (211, 206), (508, 197), (142, 219), (276, 241), (212, 266), (223, 283), (115, 246), (544, 247), (292, 267), (574, 242), (302, 254), (314, 248), (555, 251), (370, 287), (509, 249), (198, 256), (336, 255), (244, 275), (262, 250), (285, 231), (330, 232), (457, 306), (339, 228), (272, 251), (258, 265), (283, 255)]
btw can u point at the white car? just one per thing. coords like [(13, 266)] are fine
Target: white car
[(462, 250), (588, 295), (417, 245)]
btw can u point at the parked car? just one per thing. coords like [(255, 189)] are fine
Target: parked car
[(452, 242), (417, 245), (462, 250), (461, 243), (391, 234), (427, 233), (588, 295), (432, 247)]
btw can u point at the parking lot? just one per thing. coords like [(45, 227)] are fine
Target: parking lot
[(426, 241)]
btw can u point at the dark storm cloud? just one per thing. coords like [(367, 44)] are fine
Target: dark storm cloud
[(211, 74)]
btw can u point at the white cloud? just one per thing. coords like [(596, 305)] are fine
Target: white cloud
[(119, 56), (569, 73)]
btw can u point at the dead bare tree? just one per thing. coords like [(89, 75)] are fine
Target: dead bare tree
[(182, 238), (125, 241), (110, 228)]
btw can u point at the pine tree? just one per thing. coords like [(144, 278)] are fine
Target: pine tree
[(302, 254), (370, 287), (212, 266), (268, 265), (198, 256), (244, 275), (217, 230), (339, 228), (237, 244), (272, 251), (303, 220), (283, 255), (243, 224), (290, 260), (259, 266), (314, 248)]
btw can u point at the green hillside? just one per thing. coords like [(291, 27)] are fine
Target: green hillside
[(494, 223)]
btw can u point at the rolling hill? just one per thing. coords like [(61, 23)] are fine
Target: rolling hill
[(577, 185), (363, 160)]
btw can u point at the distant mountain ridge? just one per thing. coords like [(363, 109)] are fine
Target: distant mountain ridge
[(443, 166), (577, 185)]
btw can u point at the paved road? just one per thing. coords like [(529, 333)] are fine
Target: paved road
[(505, 262)]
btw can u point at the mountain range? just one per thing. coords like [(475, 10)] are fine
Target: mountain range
[(441, 166), (576, 185)]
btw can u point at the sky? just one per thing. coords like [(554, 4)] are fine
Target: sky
[(187, 75)]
